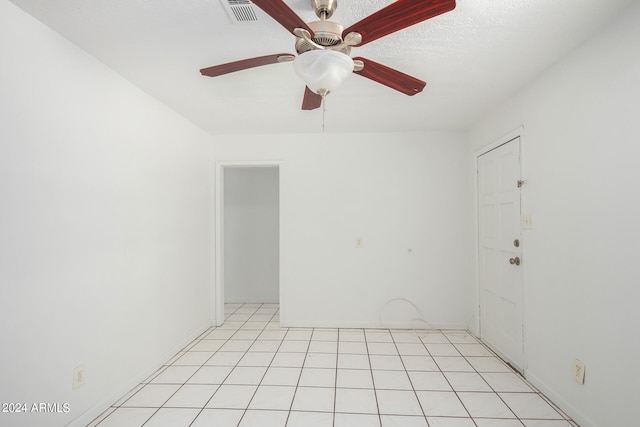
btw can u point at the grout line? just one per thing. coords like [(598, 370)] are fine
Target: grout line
[(227, 376), (265, 371), (451, 385), (493, 390), (415, 393), (335, 381), (375, 393), (299, 375), (233, 330)]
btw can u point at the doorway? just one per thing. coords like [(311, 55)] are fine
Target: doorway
[(247, 235), (500, 251)]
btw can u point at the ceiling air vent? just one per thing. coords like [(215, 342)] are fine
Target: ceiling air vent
[(242, 11)]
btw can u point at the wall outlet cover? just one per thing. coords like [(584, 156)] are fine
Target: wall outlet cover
[(78, 377), (578, 371)]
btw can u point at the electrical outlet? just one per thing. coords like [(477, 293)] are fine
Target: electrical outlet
[(578, 371), (78, 377), (358, 242)]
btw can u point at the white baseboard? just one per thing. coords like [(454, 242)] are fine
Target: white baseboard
[(368, 325), (105, 403), (558, 400), (252, 300)]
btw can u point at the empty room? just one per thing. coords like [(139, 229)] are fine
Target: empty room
[(411, 213)]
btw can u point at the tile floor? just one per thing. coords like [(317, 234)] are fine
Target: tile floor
[(252, 372)]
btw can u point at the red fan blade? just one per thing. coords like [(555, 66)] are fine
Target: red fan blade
[(390, 77), (231, 67), (311, 100), (282, 13), (396, 16)]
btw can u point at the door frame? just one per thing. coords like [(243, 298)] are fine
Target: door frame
[(475, 324), (218, 232)]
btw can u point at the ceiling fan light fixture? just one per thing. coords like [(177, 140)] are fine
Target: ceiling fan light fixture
[(323, 70)]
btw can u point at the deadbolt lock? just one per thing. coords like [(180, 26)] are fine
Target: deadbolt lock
[(516, 243)]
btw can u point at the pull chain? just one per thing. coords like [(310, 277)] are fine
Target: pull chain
[(324, 109)]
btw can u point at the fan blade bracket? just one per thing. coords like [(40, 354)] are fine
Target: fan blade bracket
[(286, 58), (358, 65), (302, 33), (353, 38)]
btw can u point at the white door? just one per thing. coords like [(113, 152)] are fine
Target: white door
[(500, 250)]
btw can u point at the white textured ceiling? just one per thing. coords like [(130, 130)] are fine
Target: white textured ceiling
[(471, 58)]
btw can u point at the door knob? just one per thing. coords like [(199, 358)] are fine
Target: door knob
[(515, 261)]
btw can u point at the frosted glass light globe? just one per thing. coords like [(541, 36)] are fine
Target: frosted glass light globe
[(323, 70)]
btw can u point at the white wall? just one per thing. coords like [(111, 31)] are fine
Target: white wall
[(580, 159), (104, 219), (251, 234), (405, 194)]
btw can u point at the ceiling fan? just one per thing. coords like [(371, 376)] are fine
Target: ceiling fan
[(324, 47)]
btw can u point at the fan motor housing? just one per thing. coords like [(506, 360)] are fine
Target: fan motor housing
[(327, 34)]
